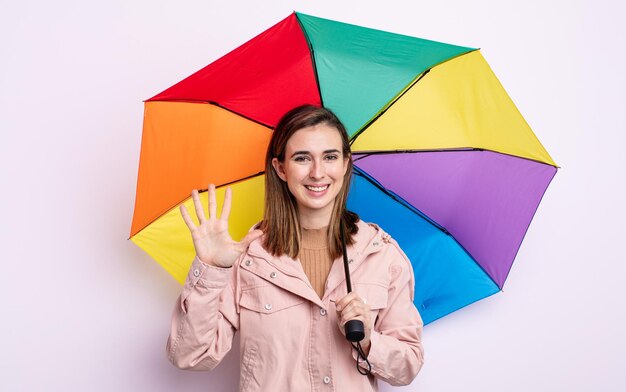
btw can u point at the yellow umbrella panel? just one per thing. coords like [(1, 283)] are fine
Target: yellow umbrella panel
[(458, 104), (168, 240)]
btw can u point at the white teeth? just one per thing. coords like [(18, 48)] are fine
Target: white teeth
[(317, 188)]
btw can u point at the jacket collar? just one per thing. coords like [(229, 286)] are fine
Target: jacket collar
[(368, 240)]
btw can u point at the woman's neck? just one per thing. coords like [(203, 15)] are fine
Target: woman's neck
[(314, 219)]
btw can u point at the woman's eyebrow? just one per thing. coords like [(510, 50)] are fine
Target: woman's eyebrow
[(304, 152), (300, 153)]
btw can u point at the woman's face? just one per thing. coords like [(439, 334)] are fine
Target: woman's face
[(313, 169)]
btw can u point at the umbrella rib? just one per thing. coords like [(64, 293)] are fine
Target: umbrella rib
[(214, 103), (365, 154), (408, 205), (397, 198), (370, 122), (235, 181), (199, 190), (312, 54), (406, 89)]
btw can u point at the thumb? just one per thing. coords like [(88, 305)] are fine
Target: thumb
[(251, 236)]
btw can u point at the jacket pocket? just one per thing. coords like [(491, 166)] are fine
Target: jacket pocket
[(374, 294), (268, 299)]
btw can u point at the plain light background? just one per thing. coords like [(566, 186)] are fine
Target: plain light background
[(85, 309)]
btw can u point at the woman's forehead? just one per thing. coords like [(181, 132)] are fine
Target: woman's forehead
[(320, 137)]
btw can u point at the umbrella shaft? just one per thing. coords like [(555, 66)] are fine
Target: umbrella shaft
[(345, 259)]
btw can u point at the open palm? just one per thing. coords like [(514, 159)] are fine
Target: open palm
[(213, 243)]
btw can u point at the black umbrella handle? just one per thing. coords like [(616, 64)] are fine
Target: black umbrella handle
[(355, 330)]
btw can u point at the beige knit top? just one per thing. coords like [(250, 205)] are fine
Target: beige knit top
[(315, 258)]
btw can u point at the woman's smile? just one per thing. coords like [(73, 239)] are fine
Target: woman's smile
[(316, 189)]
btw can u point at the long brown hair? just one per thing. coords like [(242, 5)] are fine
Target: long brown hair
[(280, 221)]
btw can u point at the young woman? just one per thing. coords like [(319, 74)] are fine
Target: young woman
[(283, 286)]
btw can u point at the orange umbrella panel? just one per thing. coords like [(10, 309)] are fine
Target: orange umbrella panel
[(186, 146)]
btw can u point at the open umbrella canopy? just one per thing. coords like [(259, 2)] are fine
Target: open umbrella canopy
[(444, 161)]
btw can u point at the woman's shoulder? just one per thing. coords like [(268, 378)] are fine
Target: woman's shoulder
[(373, 236), (383, 254)]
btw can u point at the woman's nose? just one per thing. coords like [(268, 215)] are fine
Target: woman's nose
[(317, 170)]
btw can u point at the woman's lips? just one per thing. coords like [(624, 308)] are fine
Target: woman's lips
[(320, 188)]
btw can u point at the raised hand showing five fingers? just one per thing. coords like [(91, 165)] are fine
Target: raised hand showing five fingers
[(211, 239)]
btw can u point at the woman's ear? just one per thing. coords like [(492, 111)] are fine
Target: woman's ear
[(279, 169)]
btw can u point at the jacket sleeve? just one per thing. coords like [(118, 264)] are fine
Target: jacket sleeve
[(396, 353), (204, 319)]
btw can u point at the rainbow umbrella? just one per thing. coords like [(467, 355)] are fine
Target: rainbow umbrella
[(444, 160)]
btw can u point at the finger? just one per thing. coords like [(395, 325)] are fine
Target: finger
[(345, 300), (212, 202), (341, 304), (187, 218), (251, 236), (198, 206), (354, 309), (227, 203), (354, 314), (343, 319), (350, 310)]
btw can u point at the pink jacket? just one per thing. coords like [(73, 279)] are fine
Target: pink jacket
[(290, 339)]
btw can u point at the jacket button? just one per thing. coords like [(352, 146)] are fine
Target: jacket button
[(268, 306), (273, 275), (196, 272), (248, 262), (375, 244), (323, 312), (326, 380)]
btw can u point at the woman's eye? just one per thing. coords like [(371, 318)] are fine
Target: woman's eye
[(301, 158), (332, 157)]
